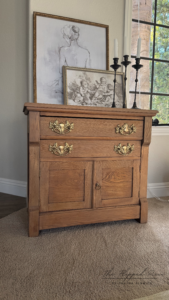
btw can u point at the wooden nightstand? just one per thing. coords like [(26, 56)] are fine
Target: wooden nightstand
[(86, 165)]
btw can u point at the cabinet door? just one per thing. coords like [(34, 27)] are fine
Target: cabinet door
[(116, 182), (65, 185)]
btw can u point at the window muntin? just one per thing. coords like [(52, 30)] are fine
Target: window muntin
[(154, 76)]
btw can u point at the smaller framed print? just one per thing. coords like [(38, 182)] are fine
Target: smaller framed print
[(92, 87)]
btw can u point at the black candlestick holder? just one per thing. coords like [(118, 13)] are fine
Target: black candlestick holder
[(137, 67), (125, 63), (115, 67)]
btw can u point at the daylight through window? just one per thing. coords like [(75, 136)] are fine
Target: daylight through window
[(153, 86)]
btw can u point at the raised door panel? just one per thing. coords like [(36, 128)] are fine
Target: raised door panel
[(116, 183), (65, 185), (74, 181)]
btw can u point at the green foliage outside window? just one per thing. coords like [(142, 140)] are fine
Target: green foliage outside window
[(161, 69)]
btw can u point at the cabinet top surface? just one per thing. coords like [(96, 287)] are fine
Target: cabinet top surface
[(88, 110)]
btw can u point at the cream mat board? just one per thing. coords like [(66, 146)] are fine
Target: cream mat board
[(111, 261)]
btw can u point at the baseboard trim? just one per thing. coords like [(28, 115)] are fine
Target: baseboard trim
[(13, 187), (19, 188), (160, 130), (158, 189)]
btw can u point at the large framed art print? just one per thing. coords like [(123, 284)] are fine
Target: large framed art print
[(61, 41)]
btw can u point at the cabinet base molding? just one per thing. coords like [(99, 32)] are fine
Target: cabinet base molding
[(88, 216)]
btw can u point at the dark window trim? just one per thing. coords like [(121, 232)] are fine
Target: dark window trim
[(150, 23), (149, 93), (149, 58), (153, 59)]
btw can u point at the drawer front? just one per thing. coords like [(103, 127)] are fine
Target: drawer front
[(124, 129), (51, 149)]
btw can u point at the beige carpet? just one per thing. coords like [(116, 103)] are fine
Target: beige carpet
[(159, 296), (118, 260)]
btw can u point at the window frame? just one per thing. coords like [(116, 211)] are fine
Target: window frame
[(153, 59)]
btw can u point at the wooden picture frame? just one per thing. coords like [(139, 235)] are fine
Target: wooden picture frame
[(53, 37), (90, 87)]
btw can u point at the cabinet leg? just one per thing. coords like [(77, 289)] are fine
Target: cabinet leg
[(143, 210), (33, 223)]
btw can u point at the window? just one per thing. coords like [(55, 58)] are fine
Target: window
[(153, 86)]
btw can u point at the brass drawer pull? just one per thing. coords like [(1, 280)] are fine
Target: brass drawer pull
[(125, 129), (61, 128), (97, 186), (124, 150), (61, 150)]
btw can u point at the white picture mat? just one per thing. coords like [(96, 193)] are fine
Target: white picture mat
[(49, 39)]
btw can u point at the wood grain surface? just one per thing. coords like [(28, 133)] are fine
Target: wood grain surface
[(65, 185), (88, 110), (93, 183), (144, 171), (116, 183), (147, 131), (119, 181), (33, 193), (92, 148), (92, 128), (144, 210), (89, 115), (88, 216), (144, 157), (34, 127)]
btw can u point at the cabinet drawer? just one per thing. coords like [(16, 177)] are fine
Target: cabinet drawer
[(51, 149), (74, 127)]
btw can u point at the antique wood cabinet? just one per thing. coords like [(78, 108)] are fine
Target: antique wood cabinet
[(86, 165)]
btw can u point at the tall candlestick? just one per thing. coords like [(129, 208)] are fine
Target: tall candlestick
[(138, 48), (115, 66), (125, 46), (137, 66), (115, 48), (125, 63)]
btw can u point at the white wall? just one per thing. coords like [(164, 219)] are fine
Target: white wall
[(13, 88), (14, 81), (158, 170), (158, 166), (108, 12)]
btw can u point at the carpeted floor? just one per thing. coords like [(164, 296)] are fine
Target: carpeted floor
[(160, 296), (111, 261)]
